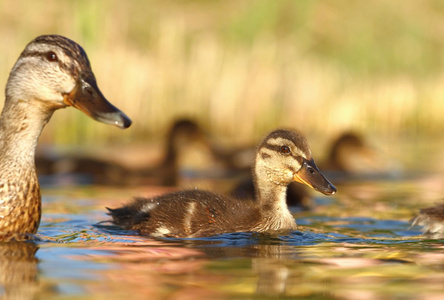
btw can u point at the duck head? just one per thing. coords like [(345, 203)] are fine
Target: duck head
[(284, 156), (55, 72)]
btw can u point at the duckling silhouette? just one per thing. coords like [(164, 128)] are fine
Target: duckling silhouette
[(184, 136)]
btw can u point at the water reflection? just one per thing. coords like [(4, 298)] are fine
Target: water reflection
[(357, 245), (18, 270)]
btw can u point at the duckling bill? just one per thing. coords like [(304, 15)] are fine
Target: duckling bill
[(52, 72), (282, 157)]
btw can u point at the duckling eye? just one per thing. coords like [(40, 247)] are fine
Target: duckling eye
[(51, 56), (285, 150)]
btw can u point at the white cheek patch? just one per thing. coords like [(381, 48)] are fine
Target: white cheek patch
[(288, 174)]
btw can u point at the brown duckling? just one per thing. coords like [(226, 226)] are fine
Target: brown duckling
[(52, 72), (432, 219), (346, 155), (282, 157), (79, 169), (184, 140), (351, 154)]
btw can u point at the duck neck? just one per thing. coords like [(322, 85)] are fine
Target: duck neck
[(272, 199), (21, 123)]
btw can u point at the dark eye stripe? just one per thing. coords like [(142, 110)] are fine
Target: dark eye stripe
[(276, 148), (272, 147), (32, 53)]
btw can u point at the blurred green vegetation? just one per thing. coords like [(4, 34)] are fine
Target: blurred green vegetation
[(242, 68)]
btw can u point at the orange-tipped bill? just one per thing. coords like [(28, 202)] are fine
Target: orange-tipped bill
[(87, 98), (310, 175)]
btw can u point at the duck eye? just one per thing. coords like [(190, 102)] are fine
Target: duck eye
[(285, 150), (51, 56)]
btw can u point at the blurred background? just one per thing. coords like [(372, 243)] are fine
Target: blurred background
[(241, 68)]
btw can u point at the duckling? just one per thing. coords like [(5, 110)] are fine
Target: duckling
[(282, 157), (432, 219), (52, 72), (351, 155), (184, 138), (344, 151)]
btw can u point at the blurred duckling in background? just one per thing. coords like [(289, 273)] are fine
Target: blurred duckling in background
[(187, 153), (182, 137), (432, 220), (343, 152), (52, 72), (282, 157), (74, 169), (350, 155)]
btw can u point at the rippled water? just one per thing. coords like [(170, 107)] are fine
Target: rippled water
[(356, 245)]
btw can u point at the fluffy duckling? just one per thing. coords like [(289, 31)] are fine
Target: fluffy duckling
[(283, 157), (432, 219), (52, 72), (348, 155)]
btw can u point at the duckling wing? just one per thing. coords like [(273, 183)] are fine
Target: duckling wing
[(191, 213)]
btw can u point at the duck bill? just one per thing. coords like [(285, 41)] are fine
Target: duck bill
[(310, 175), (87, 98)]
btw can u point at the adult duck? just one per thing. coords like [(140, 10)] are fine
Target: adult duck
[(52, 72), (282, 157)]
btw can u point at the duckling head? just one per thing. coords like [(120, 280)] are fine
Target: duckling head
[(284, 156), (54, 72)]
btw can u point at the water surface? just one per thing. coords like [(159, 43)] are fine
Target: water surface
[(355, 245)]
